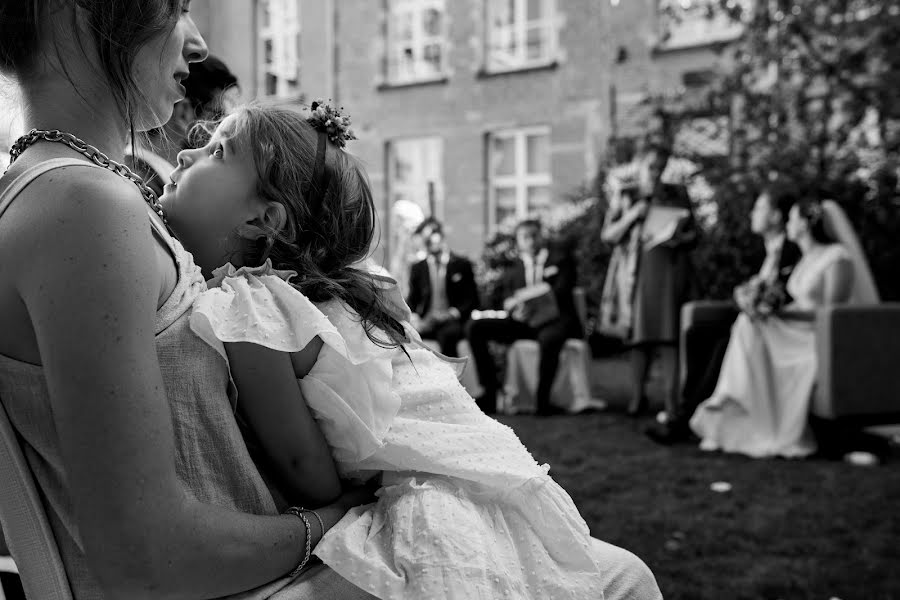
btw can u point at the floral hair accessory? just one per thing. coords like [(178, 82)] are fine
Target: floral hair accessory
[(328, 120), (814, 213)]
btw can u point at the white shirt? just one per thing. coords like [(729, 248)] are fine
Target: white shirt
[(534, 267), (437, 270)]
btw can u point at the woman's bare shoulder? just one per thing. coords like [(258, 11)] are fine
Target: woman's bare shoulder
[(73, 210), (76, 194)]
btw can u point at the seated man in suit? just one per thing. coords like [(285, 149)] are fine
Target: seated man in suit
[(536, 263), (442, 290), (705, 343)]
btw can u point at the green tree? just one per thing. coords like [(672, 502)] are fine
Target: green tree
[(812, 88)]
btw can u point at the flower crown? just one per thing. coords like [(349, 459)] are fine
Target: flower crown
[(814, 212), (329, 120)]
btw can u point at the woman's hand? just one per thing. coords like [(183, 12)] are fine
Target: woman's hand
[(638, 210)]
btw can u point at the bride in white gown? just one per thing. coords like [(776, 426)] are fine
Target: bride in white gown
[(761, 402)]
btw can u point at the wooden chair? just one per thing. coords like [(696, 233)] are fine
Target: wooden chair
[(25, 525)]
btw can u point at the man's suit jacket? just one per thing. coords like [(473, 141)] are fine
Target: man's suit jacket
[(559, 272), (790, 256), (462, 292)]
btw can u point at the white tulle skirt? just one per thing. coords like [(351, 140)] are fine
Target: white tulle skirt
[(761, 403)]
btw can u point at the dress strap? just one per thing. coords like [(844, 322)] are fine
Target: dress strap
[(22, 181)]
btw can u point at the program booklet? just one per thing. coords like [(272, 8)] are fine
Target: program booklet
[(537, 305)]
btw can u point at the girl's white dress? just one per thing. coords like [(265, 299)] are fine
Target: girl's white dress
[(464, 511)]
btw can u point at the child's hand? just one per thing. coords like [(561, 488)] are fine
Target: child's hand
[(350, 498), (358, 495)]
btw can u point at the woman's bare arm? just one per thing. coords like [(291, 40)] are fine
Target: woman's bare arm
[(273, 404), (91, 290)]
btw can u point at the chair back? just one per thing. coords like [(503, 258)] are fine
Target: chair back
[(25, 525)]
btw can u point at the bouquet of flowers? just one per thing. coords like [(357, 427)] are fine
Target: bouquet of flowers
[(760, 298)]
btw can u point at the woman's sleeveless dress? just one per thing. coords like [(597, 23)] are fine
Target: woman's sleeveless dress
[(211, 458)]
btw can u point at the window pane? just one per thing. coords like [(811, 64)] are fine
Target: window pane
[(264, 14), (503, 156), (432, 22), (405, 26), (416, 169), (432, 63), (271, 84), (535, 46), (279, 47), (402, 163), (503, 13), (535, 10), (538, 199), (538, 153), (505, 209)]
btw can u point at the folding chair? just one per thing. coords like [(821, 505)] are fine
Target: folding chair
[(25, 525)]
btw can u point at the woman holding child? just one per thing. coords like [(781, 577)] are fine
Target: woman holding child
[(125, 413)]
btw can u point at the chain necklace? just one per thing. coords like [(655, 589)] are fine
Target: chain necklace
[(91, 152)]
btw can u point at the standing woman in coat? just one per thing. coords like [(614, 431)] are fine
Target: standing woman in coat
[(662, 283)]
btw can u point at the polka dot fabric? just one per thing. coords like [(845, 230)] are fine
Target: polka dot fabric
[(464, 511)]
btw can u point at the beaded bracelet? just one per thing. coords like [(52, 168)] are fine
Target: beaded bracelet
[(298, 512)]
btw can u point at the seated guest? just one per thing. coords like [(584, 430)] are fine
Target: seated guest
[(705, 342), (442, 290), (760, 406), (537, 262)]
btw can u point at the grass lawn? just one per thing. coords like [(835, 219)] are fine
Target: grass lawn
[(787, 529)]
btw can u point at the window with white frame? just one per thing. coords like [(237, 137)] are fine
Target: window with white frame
[(279, 48), (519, 171), (416, 40), (416, 173), (520, 34)]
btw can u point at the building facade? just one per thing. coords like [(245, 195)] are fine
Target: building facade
[(479, 112), (476, 111), (656, 55)]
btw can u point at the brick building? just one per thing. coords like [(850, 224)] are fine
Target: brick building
[(480, 111), (653, 55), (480, 123)]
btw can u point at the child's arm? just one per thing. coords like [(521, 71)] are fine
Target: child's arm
[(304, 360), (270, 399)]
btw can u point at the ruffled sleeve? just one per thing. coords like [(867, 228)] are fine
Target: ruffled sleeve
[(349, 387)]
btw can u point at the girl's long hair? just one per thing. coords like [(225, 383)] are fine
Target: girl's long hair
[(324, 243)]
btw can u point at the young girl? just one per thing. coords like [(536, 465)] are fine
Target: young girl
[(463, 511)]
